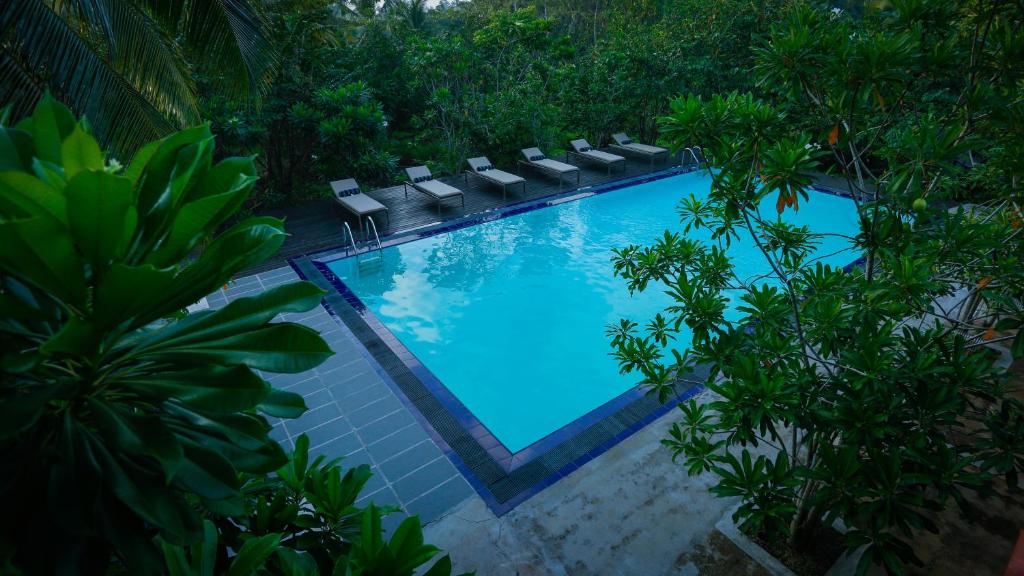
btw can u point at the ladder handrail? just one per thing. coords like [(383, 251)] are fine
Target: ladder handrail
[(371, 225), (694, 155), (346, 229)]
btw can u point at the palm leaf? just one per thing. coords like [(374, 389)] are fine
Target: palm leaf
[(227, 38), (49, 48), (152, 62)]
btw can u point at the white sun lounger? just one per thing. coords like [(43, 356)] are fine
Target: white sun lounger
[(423, 181), (536, 159), (583, 149), (483, 168), (348, 196), (625, 144)]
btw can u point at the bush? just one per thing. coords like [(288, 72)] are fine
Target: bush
[(128, 427)]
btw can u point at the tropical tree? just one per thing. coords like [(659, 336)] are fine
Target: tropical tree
[(130, 65), (131, 431), (869, 395)]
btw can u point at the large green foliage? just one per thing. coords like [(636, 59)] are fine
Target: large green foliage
[(129, 64), (304, 520), (476, 78), (872, 395), (129, 428), (313, 126), (113, 416)]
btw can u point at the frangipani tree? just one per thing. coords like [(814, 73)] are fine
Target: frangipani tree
[(135, 437), (860, 395)]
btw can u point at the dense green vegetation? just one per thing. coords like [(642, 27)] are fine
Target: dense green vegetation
[(479, 78), (871, 396), (135, 438), (356, 91)]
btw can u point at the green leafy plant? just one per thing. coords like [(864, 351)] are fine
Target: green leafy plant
[(130, 428), (304, 520), (870, 395), (130, 64)]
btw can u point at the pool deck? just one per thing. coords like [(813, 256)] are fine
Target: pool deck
[(317, 224), (354, 414), (630, 510)]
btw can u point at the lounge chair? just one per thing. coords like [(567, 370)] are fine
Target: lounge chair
[(348, 196), (626, 144), (423, 181), (536, 159), (583, 149), (482, 168)]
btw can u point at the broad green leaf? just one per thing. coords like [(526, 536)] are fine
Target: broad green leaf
[(158, 165), (228, 175), (294, 563), (33, 196), (76, 338), (15, 150), (141, 160), (51, 174), (51, 122), (443, 567), (39, 252), (243, 245), (253, 554), (204, 554), (276, 348), (207, 473), (132, 293), (238, 316), (101, 214), (174, 558), (80, 152), (283, 404), (241, 438), (138, 433), (164, 509), (193, 222), (214, 388)]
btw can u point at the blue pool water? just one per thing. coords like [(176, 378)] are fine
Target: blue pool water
[(510, 314)]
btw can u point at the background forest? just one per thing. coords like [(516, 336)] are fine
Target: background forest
[(321, 90), (362, 91)]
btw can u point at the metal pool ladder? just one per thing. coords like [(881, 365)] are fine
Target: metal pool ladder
[(694, 154), (371, 226), (346, 234)]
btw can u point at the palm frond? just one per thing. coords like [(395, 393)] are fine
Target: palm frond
[(151, 61), (42, 44), (228, 38)]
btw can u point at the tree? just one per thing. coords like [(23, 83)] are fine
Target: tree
[(129, 65), (128, 427), (876, 399)]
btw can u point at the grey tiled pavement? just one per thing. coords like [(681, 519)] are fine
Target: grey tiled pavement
[(354, 414)]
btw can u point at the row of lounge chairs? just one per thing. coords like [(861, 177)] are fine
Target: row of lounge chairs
[(347, 193)]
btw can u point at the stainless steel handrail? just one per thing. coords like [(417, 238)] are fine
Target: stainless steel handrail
[(371, 225)]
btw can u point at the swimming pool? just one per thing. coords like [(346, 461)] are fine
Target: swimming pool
[(510, 314)]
